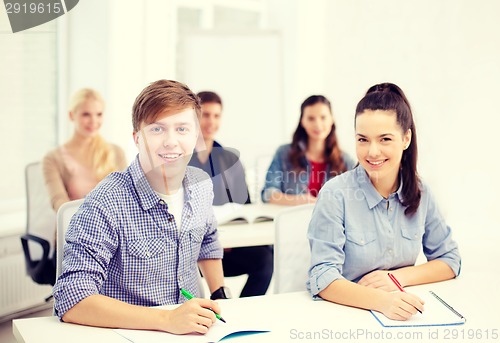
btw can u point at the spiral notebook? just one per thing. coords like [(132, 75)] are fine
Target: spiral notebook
[(437, 312)]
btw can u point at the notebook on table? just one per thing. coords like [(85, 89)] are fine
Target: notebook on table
[(217, 333), (437, 312), (232, 213)]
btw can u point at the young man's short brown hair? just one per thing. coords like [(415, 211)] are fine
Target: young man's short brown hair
[(160, 96), (208, 97)]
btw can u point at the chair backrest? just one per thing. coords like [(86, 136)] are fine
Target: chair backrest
[(292, 255), (64, 215), (41, 217), (256, 176)]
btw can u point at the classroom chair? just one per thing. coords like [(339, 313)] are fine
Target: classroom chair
[(66, 211), (292, 255), (40, 226), (256, 176)]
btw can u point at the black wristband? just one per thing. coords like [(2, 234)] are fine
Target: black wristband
[(221, 293)]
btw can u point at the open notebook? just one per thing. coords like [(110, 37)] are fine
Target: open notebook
[(249, 213), (436, 312), (217, 332)]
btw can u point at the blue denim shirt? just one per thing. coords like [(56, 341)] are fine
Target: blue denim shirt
[(354, 231), (281, 175)]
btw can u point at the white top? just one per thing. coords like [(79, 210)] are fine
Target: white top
[(175, 204)]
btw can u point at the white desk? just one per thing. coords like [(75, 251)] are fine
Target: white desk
[(250, 234), (246, 235), (294, 315), (50, 329)]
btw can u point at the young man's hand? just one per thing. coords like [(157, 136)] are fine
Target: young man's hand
[(192, 316)]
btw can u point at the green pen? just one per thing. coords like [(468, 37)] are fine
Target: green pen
[(189, 296)]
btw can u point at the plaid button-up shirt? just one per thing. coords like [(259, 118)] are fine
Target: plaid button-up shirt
[(124, 243)]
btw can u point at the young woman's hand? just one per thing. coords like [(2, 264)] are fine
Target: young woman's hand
[(378, 279), (401, 305), (192, 316)]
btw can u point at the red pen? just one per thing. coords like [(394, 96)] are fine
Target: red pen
[(398, 285)]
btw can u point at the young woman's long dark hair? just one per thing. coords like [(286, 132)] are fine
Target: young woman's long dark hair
[(300, 141), (389, 97)]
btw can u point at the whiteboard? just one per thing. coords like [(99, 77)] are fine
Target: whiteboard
[(245, 69)]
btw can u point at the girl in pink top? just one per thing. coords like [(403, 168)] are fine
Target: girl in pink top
[(74, 169)]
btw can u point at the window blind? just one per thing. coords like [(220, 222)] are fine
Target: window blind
[(28, 100)]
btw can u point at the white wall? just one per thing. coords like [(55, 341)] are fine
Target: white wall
[(444, 54), (303, 27), (118, 47), (251, 87)]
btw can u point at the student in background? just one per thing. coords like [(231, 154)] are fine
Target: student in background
[(141, 234), (228, 177), (298, 170), (72, 170), (377, 217), (222, 164)]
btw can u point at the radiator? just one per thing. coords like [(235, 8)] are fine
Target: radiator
[(17, 291)]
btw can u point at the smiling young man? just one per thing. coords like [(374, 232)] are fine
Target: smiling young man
[(140, 235)]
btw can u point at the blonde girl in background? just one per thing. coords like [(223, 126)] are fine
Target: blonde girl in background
[(75, 168)]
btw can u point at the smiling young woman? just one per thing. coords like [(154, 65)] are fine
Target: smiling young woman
[(75, 168), (299, 170), (377, 217)]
